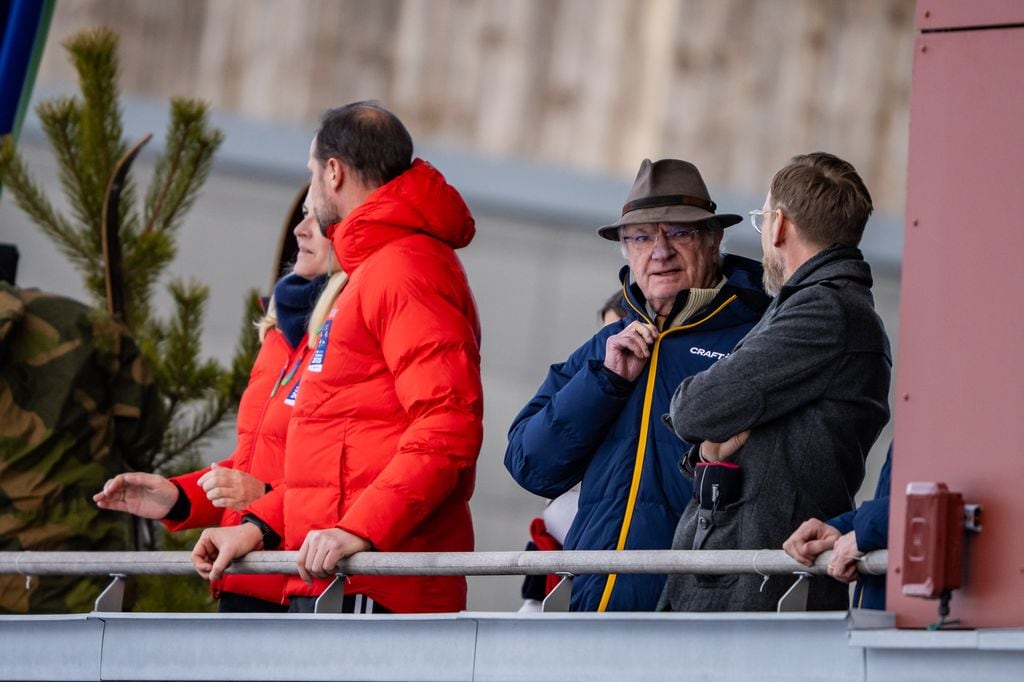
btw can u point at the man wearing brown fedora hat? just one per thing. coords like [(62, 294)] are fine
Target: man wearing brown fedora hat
[(597, 416), (782, 426)]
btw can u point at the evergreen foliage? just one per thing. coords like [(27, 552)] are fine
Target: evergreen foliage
[(85, 133)]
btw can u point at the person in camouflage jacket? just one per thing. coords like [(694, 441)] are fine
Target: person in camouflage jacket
[(77, 402)]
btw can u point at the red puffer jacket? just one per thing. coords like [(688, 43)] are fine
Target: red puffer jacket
[(387, 427), (263, 414)]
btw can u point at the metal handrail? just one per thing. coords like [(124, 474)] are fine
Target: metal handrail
[(580, 562)]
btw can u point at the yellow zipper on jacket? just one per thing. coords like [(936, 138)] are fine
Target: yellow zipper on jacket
[(641, 446)]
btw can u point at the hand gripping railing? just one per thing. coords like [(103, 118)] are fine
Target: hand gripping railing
[(764, 562)]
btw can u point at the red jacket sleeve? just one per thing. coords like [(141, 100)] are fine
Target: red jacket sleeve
[(202, 513), (270, 509)]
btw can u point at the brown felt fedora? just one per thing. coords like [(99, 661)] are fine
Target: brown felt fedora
[(668, 191)]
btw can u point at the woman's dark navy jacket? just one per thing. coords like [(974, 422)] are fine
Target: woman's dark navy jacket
[(582, 425), (871, 521)]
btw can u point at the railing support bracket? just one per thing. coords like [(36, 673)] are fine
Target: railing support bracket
[(557, 600), (795, 598), (332, 599), (111, 600)]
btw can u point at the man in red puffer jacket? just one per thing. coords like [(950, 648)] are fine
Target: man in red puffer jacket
[(387, 425)]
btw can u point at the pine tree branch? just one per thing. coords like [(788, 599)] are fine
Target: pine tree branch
[(167, 168), (94, 55), (144, 260), (28, 195), (185, 166), (61, 120), (185, 437), (185, 379), (246, 347), (187, 186)]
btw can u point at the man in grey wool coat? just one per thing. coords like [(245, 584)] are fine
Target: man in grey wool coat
[(783, 425)]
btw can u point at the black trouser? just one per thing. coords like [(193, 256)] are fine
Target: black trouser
[(241, 603), (351, 603)]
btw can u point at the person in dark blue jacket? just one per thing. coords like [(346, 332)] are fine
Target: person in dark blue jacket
[(597, 416), (850, 536)]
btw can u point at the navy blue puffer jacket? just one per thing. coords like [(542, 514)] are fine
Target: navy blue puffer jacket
[(581, 427)]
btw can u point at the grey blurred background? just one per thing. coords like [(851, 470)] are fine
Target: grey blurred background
[(539, 111)]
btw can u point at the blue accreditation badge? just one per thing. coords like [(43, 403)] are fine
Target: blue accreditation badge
[(290, 399), (316, 363)]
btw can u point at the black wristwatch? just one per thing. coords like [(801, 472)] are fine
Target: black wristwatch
[(270, 539)]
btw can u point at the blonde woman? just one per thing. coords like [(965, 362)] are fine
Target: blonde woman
[(216, 495)]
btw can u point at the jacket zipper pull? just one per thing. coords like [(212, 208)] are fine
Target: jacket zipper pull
[(280, 377)]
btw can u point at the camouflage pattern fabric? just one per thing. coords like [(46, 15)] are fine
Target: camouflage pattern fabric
[(77, 406)]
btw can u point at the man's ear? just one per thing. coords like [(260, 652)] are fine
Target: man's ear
[(784, 230), (334, 174)]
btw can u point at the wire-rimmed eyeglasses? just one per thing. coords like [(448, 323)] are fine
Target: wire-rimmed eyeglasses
[(676, 235), (758, 217)]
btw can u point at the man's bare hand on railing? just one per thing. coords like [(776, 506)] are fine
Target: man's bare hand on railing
[(218, 547), (231, 488), (323, 549), (813, 537), (845, 555), (150, 496)]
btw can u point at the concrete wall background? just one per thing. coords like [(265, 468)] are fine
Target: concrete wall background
[(737, 86)]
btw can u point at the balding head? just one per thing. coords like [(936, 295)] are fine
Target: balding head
[(368, 139)]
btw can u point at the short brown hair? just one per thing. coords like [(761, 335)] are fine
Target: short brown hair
[(825, 197)]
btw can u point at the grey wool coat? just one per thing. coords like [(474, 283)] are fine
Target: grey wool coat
[(811, 383)]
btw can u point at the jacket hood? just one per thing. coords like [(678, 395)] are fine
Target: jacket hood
[(834, 263), (743, 278), (417, 201)]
